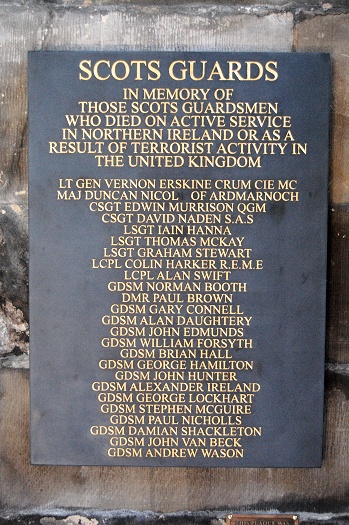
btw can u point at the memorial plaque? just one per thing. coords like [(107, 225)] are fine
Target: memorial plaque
[(178, 215)]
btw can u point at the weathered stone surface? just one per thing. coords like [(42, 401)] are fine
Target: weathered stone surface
[(157, 28), (338, 286), (13, 285), (12, 326), (169, 489), (69, 520), (311, 6), (20, 30), (331, 33)]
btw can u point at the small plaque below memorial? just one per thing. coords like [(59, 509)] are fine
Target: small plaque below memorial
[(178, 216), (262, 519)]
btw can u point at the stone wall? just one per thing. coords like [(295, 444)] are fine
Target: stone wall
[(93, 495)]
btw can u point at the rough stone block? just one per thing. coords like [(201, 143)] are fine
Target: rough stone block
[(331, 33), (162, 28), (209, 28), (13, 285), (338, 287), (21, 29)]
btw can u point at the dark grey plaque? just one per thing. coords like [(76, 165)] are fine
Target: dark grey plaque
[(178, 213)]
